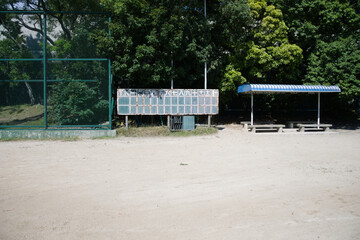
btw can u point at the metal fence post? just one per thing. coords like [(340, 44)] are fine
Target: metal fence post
[(110, 83), (44, 70)]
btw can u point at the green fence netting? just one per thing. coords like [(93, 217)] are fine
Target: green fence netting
[(52, 76)]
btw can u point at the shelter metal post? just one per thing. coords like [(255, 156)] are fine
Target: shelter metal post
[(318, 116), (252, 108), (209, 120), (126, 122)]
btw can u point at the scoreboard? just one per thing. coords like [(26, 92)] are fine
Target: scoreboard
[(167, 101)]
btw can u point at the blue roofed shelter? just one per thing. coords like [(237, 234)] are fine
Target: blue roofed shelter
[(284, 88)]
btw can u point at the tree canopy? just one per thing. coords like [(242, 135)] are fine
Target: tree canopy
[(266, 56), (154, 42), (328, 33)]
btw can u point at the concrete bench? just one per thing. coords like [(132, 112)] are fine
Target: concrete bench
[(291, 124), (247, 123), (277, 127), (321, 126)]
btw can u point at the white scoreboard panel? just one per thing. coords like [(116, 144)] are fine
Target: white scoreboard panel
[(167, 101)]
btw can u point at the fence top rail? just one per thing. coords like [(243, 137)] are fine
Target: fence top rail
[(53, 59), (53, 12)]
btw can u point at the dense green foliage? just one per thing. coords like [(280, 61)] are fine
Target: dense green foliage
[(154, 42), (18, 92), (74, 102), (266, 56), (70, 100), (336, 63), (77, 103), (329, 33)]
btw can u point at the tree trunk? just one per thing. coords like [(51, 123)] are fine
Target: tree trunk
[(30, 92)]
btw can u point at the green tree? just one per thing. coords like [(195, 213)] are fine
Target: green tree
[(71, 100), (328, 33), (270, 58), (76, 103), (151, 41), (154, 42), (13, 46), (231, 80), (337, 63), (266, 56), (311, 21)]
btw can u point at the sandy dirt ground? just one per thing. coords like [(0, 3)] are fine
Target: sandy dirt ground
[(232, 185)]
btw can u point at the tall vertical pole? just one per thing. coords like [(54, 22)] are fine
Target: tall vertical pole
[(252, 109), (205, 74), (110, 83), (205, 7), (172, 80), (44, 70), (205, 67), (318, 116), (172, 87)]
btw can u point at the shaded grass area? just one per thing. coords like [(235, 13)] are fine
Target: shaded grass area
[(163, 132), (24, 114)]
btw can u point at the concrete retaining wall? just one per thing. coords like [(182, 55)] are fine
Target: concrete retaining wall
[(36, 134)]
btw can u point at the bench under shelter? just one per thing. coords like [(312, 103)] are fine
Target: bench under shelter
[(285, 88)]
